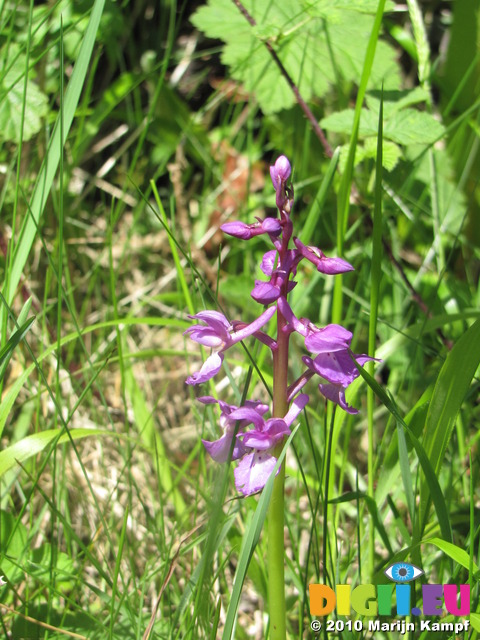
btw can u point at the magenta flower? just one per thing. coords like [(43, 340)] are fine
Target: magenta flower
[(267, 292), (280, 172), (330, 266), (337, 367), (256, 467), (218, 333), (272, 226), (219, 449)]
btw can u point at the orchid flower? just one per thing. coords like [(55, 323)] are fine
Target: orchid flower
[(218, 333)]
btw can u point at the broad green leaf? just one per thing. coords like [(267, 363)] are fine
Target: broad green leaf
[(395, 100), (475, 621), (13, 537), (413, 127), (404, 127), (391, 153), (342, 122), (318, 43), (460, 556), (36, 443), (449, 392)]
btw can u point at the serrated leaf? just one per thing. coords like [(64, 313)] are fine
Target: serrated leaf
[(404, 127), (342, 122), (317, 43), (390, 157), (391, 152), (413, 127), (395, 100)]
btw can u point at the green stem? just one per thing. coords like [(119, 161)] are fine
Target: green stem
[(276, 543)]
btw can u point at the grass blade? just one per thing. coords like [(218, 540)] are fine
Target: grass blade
[(450, 389), (52, 160)]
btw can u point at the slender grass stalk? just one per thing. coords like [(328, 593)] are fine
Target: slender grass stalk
[(376, 275)]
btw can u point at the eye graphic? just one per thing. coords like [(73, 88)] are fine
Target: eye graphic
[(403, 572)]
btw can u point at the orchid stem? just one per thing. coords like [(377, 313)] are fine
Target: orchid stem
[(276, 542), (276, 559)]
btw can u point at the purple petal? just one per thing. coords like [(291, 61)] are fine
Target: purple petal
[(219, 449), (257, 406), (280, 172), (237, 229), (297, 407), (259, 441), (330, 266), (333, 337), (204, 335), (253, 472), (272, 226), (210, 368), (276, 428), (336, 393), (250, 416), (265, 292), (253, 326), (212, 318), (290, 317), (268, 262), (336, 367)]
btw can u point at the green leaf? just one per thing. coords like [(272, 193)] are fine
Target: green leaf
[(449, 392), (13, 535), (36, 443), (475, 621), (14, 126), (7, 351), (460, 556), (413, 127), (308, 37), (405, 127)]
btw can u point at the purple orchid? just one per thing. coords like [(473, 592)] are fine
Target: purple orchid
[(219, 333), (220, 449), (244, 231), (331, 358), (256, 467), (330, 266)]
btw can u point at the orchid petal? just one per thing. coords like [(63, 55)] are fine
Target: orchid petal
[(297, 407), (336, 393), (210, 368), (253, 472), (333, 337), (219, 449), (329, 266), (265, 292), (249, 416), (253, 326)]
